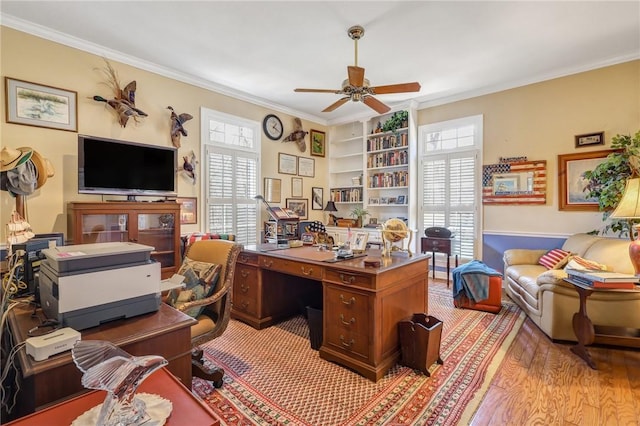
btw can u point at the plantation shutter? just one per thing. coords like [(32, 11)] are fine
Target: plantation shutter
[(449, 181), (232, 163)]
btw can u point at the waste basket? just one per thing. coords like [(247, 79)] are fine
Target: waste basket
[(314, 318), (420, 342)]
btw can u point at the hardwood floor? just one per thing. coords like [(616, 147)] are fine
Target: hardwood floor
[(543, 383)]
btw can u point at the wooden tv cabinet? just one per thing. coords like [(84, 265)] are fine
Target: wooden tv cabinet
[(155, 224)]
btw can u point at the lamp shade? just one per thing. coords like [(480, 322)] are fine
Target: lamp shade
[(629, 205), (331, 207)]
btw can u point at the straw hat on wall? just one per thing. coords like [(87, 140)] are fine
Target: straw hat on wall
[(11, 158)]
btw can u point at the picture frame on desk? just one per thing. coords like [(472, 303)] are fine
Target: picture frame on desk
[(358, 241)]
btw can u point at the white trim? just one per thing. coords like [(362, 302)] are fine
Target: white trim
[(102, 51)]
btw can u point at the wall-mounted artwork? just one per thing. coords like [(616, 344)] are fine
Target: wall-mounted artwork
[(38, 105), (521, 182), (571, 182)]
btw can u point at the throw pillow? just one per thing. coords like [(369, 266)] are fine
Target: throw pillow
[(554, 259), (201, 281), (580, 264)]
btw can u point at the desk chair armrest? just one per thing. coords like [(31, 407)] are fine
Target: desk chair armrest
[(207, 300)]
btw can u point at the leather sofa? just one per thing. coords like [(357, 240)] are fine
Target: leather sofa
[(550, 302)]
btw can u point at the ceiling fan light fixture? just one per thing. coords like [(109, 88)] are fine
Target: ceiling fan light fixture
[(357, 88)]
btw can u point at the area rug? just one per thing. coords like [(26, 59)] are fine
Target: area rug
[(274, 377)]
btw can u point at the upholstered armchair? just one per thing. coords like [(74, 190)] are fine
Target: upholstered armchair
[(216, 312)]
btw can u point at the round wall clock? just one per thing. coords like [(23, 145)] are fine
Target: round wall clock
[(272, 127)]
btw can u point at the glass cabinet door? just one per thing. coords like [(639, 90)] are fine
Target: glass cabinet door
[(103, 228), (158, 231)]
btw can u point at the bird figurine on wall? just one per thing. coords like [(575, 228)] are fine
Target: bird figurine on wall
[(124, 100), (107, 367), (189, 167), (297, 135), (177, 127)]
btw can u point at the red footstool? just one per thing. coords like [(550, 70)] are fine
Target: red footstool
[(491, 304)]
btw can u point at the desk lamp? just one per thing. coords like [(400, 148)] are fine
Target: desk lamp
[(629, 208), (279, 243), (331, 207)]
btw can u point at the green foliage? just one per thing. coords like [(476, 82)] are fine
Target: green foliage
[(396, 121), (359, 212), (607, 181)]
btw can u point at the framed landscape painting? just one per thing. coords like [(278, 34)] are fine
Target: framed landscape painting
[(571, 183)]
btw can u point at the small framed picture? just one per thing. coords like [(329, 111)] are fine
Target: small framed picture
[(306, 167), (287, 164), (317, 143), (316, 198), (358, 241), (299, 206), (373, 221), (38, 105), (589, 139), (188, 209), (296, 187), (400, 199), (272, 190)]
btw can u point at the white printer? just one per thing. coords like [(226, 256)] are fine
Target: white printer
[(85, 285)]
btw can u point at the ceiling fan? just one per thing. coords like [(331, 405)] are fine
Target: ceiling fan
[(356, 87)]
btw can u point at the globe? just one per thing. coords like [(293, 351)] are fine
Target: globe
[(395, 230)]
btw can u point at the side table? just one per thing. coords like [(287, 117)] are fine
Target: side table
[(588, 333), (438, 245)]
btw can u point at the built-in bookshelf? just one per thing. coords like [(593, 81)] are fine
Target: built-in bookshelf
[(372, 167)]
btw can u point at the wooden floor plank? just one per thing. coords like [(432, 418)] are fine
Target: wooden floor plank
[(541, 382)]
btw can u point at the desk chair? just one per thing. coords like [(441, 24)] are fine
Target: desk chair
[(217, 308)]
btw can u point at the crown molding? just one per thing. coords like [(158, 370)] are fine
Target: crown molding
[(98, 50)]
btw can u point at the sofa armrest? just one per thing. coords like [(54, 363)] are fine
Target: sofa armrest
[(522, 257)]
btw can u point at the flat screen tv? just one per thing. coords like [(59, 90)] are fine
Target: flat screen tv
[(108, 166)]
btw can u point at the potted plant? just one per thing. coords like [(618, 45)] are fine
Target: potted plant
[(397, 120), (606, 182), (360, 214)]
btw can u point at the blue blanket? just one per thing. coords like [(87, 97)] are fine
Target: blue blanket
[(472, 280)]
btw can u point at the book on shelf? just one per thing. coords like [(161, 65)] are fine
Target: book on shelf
[(603, 276)]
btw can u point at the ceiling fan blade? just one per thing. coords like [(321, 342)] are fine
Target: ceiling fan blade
[(336, 104), (396, 88), (319, 90), (372, 102), (356, 76)]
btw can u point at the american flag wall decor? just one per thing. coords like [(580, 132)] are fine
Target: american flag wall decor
[(523, 182)]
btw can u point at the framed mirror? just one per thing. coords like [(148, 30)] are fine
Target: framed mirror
[(272, 190)]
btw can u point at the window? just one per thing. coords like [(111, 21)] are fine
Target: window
[(232, 159), (449, 181)]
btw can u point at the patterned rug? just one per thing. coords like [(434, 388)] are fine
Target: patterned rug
[(272, 376)]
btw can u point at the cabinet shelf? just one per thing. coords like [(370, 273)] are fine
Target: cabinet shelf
[(345, 140), (390, 133)]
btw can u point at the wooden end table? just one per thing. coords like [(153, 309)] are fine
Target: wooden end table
[(438, 245), (588, 333)]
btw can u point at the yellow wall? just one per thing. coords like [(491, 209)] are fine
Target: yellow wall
[(36, 60), (539, 121)]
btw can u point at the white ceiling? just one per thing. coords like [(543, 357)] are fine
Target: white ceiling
[(261, 50)]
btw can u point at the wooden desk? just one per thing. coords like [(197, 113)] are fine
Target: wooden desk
[(361, 305), (166, 332), (187, 408), (438, 245), (588, 333)]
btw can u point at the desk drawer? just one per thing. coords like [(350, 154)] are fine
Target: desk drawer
[(347, 320), (348, 278), (248, 258), (245, 289), (285, 266)]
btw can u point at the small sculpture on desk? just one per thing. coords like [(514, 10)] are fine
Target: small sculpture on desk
[(109, 368)]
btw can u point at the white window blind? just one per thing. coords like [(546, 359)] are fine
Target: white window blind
[(232, 174), (449, 180)]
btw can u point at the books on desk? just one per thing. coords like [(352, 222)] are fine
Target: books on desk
[(601, 279)]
